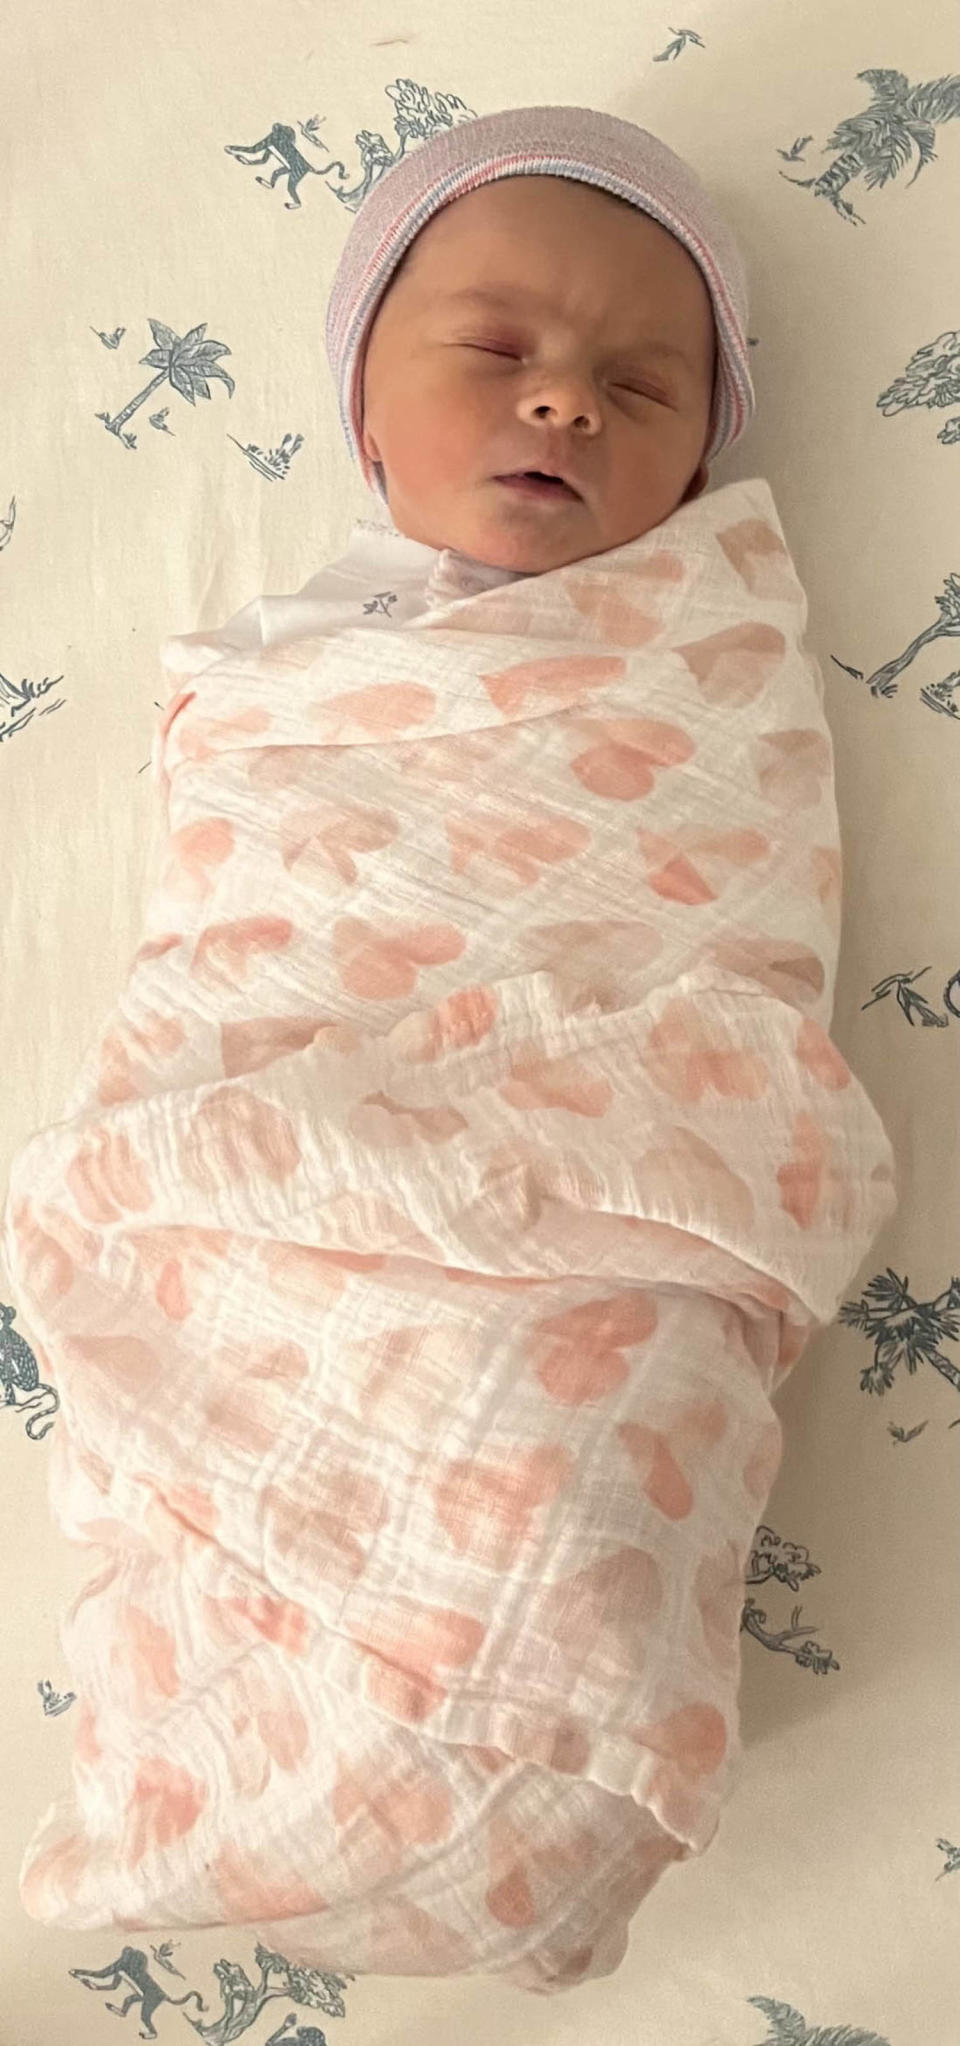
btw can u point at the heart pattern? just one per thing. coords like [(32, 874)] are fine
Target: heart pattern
[(464, 1166)]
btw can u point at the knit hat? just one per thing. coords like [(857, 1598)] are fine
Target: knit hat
[(581, 143)]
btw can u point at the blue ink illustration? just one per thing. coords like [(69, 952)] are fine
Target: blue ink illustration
[(877, 143), (909, 1434), (186, 361), (883, 680), (931, 378), (130, 1971), (20, 1373), (682, 36), (914, 1005), (774, 1560), (23, 697), (304, 2035), (788, 2028), (54, 1702), (795, 152), (243, 2000), (904, 1330), (163, 1955), (273, 463), (417, 114)]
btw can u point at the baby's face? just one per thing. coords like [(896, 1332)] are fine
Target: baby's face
[(562, 374)]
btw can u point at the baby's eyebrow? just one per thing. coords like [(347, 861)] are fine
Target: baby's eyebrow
[(665, 351)]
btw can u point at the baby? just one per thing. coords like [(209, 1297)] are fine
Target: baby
[(467, 1159)]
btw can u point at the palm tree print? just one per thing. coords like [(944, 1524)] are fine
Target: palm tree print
[(879, 142), (187, 362), (788, 2028), (904, 1330)]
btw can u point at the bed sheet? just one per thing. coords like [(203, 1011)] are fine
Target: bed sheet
[(178, 185)]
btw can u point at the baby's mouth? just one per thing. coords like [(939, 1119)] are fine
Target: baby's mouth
[(534, 483)]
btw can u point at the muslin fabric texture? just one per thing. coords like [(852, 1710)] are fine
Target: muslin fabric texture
[(462, 1169), (582, 143)]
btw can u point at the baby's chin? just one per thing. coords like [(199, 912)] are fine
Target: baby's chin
[(525, 559), (534, 553), (526, 547)]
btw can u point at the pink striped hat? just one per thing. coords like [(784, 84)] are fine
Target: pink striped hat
[(563, 142)]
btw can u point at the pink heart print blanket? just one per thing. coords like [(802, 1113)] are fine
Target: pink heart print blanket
[(465, 1163)]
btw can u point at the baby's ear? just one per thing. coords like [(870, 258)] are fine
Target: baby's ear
[(367, 442)]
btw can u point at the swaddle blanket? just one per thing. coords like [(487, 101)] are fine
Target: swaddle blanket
[(464, 1165)]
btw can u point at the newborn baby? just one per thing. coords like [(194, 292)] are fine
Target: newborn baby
[(467, 1159)]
